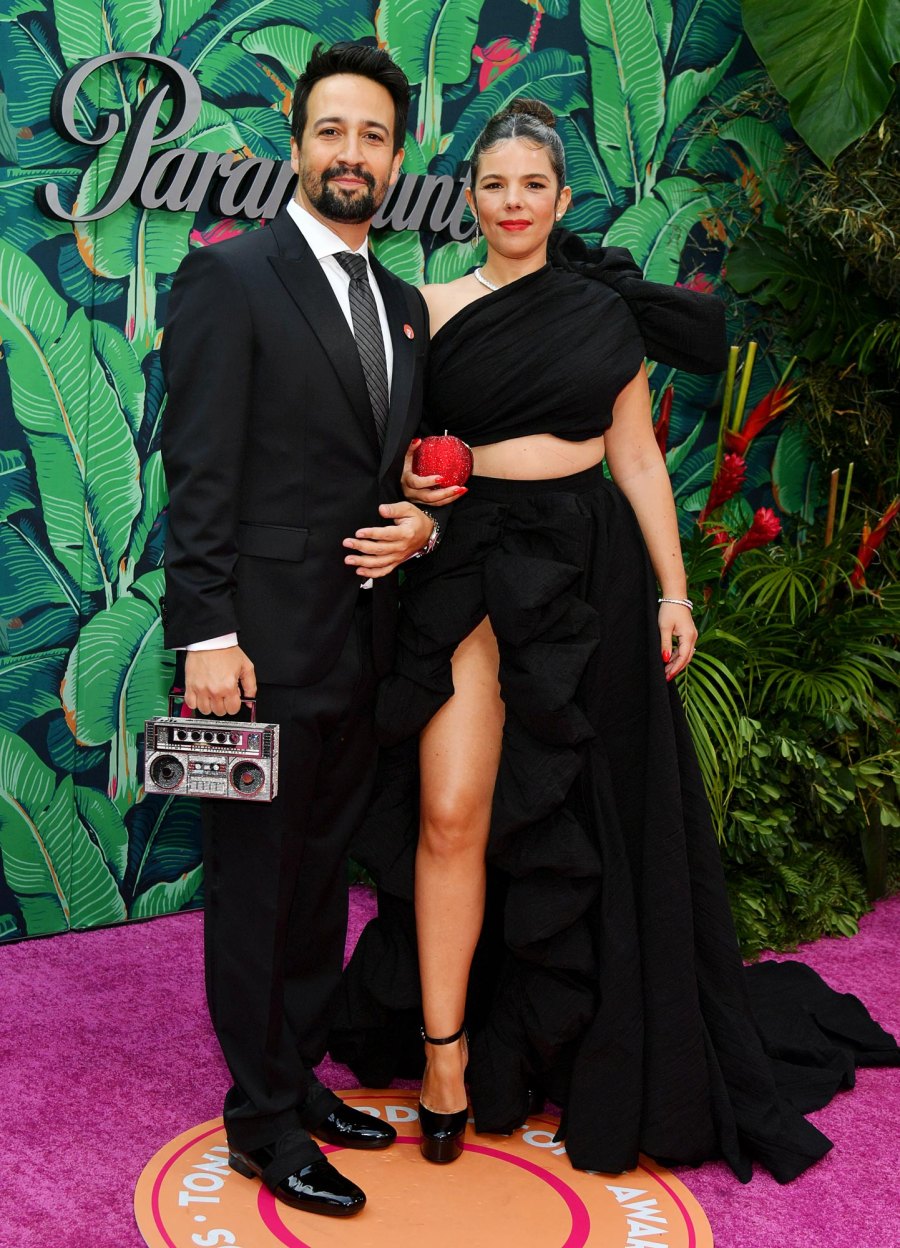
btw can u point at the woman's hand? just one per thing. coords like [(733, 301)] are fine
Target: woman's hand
[(428, 490), (677, 636)]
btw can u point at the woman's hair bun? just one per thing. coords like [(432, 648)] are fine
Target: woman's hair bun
[(530, 108)]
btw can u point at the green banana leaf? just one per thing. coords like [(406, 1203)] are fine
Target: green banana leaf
[(8, 146), (213, 131), (228, 71), (702, 32), (20, 225), (551, 75), (586, 175), (118, 673), (401, 252), (265, 132), (453, 260), (154, 497), (685, 91), (163, 841), (655, 229), (84, 454), (78, 283), (628, 85), (17, 492), (676, 455), (99, 817), (178, 18), (430, 39), (90, 492), (122, 368), (290, 45), (87, 28), (51, 863), (832, 63), (29, 686), (26, 44), (164, 898)]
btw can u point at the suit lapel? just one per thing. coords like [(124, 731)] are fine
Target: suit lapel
[(404, 362), (302, 276)]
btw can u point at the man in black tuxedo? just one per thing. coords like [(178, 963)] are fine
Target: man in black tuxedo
[(294, 367)]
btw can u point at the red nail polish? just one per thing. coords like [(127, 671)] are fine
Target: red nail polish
[(667, 654), (462, 489)]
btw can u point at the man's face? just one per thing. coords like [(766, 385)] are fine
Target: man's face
[(345, 159)]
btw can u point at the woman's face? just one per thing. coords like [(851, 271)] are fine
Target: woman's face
[(516, 197)]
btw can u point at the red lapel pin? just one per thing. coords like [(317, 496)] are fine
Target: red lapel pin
[(409, 331)]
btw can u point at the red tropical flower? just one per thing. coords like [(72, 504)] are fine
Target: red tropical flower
[(765, 528), (718, 536), (871, 540), (226, 228), (727, 483), (700, 282), (496, 58), (771, 405), (661, 428)]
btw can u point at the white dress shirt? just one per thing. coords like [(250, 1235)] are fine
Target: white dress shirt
[(325, 244)]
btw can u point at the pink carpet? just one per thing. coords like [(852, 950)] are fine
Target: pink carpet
[(107, 1054)]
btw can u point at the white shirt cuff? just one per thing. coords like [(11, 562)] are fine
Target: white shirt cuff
[(214, 643)]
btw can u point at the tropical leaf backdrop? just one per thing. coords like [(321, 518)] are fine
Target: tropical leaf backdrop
[(662, 160)]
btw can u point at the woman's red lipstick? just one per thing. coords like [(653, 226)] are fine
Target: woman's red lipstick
[(514, 225)]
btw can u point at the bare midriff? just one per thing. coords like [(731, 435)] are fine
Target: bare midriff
[(538, 457)]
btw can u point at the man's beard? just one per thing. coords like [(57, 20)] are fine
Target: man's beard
[(337, 204)]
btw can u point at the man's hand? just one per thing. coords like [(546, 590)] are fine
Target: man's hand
[(378, 551), (214, 680)]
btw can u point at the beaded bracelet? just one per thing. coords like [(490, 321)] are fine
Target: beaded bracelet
[(678, 602)]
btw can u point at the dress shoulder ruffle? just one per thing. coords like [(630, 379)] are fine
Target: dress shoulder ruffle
[(681, 328)]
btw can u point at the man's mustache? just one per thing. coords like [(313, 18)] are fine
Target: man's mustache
[(345, 171)]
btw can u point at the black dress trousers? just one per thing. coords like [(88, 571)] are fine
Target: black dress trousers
[(276, 891)]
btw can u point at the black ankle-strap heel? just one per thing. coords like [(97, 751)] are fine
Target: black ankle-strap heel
[(442, 1134)]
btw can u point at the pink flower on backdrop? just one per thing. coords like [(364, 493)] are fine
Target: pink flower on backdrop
[(227, 228), (871, 540), (727, 483), (765, 528), (661, 428), (496, 58)]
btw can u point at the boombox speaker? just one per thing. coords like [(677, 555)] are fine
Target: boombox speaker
[(200, 757)]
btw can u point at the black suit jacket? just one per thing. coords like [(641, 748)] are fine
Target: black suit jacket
[(271, 453)]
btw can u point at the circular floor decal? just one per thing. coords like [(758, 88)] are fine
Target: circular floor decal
[(517, 1190)]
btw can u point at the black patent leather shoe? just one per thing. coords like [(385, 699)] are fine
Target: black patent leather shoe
[(351, 1128), (315, 1188), (442, 1134)]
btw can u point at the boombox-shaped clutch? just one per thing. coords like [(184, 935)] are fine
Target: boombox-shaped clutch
[(188, 757)]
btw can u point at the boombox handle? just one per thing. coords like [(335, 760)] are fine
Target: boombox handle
[(176, 694)]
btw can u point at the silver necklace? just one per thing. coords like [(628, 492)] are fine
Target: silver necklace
[(479, 277)]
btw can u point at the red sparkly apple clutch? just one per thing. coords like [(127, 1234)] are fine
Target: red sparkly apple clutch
[(443, 456)]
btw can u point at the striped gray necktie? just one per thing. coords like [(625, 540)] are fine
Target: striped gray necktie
[(368, 335)]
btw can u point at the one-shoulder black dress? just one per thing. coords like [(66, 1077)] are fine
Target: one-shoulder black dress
[(608, 977)]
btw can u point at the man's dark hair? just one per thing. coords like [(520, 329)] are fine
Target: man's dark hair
[(352, 58)]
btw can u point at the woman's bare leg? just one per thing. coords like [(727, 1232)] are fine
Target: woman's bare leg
[(459, 754)]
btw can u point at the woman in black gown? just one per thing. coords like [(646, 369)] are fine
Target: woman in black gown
[(531, 725)]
